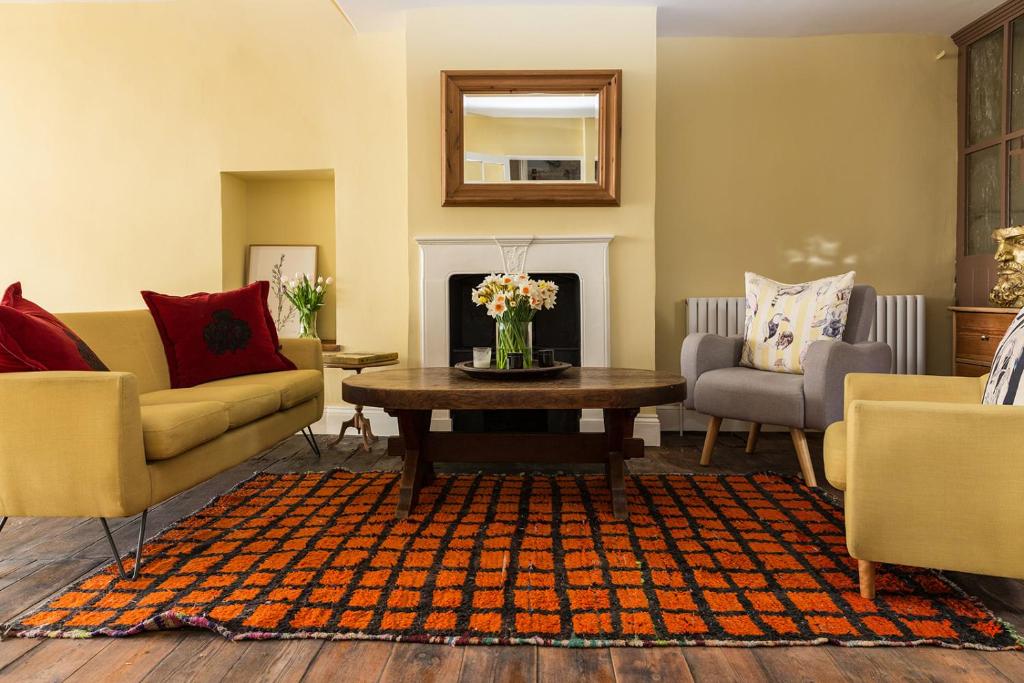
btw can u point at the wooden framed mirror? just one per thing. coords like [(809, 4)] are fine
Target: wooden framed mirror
[(531, 138)]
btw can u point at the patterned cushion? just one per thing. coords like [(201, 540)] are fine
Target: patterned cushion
[(1003, 387), (212, 336), (784, 320)]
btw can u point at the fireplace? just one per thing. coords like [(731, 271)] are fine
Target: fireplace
[(585, 256), (558, 329)]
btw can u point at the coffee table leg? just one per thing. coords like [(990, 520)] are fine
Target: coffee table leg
[(413, 426), (618, 426)]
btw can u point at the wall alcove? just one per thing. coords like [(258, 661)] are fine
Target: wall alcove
[(279, 207)]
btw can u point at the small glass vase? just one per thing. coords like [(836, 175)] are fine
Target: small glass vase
[(514, 336), (307, 325)]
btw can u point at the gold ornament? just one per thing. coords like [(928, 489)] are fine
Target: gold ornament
[(1009, 288)]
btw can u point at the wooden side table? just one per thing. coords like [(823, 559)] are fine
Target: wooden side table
[(358, 420)]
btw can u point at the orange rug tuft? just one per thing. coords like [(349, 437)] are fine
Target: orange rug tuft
[(492, 559)]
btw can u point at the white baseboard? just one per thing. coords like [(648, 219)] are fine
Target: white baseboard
[(696, 422), (646, 427)]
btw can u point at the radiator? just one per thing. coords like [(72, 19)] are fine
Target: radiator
[(899, 322)]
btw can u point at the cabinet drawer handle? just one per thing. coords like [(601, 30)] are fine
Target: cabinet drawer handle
[(984, 337)]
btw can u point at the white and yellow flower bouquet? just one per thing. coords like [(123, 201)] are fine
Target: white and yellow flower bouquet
[(512, 299)]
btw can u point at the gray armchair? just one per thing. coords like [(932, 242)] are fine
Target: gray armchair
[(720, 388)]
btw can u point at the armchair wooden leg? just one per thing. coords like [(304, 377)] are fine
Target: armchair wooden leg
[(803, 454), (755, 431), (866, 570), (709, 441)]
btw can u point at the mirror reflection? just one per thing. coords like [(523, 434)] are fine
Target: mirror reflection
[(531, 138)]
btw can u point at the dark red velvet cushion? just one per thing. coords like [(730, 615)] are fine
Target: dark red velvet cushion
[(32, 338), (212, 336)]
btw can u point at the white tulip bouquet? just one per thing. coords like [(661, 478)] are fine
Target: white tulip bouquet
[(512, 299), (307, 296)]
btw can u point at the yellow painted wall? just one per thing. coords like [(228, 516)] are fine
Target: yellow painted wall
[(543, 37), (590, 143), (804, 157), (525, 136), (234, 230), (117, 119), (786, 156)]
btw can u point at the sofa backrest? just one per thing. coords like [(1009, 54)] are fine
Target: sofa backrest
[(861, 314), (126, 341)]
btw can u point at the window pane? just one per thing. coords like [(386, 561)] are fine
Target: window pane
[(982, 199), (1015, 190), (1017, 76), (984, 87)]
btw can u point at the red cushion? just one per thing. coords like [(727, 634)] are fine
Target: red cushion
[(212, 336), (32, 338)]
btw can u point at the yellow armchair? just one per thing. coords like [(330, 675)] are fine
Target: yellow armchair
[(932, 478)]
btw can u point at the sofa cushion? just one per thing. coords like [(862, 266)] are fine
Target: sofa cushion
[(211, 336), (835, 455), (32, 338), (756, 395), (245, 403), (170, 429), (295, 386)]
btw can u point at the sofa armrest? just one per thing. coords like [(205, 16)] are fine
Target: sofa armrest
[(71, 445), (936, 485), (926, 388), (826, 365), (307, 354), (702, 352)]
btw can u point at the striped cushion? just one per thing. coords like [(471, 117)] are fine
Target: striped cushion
[(783, 320)]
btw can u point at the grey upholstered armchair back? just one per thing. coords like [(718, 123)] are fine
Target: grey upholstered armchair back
[(860, 315)]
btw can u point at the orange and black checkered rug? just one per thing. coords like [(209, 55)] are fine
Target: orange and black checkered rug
[(492, 559)]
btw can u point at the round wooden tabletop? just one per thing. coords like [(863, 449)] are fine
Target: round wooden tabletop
[(451, 389)]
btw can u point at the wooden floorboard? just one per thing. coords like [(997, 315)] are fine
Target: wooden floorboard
[(362, 661), (423, 663), (514, 664), (39, 557), (724, 664), (650, 664), (575, 664)]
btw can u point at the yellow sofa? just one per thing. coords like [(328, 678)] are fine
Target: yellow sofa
[(113, 444), (932, 478)]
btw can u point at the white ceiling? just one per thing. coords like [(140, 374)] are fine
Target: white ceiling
[(732, 17)]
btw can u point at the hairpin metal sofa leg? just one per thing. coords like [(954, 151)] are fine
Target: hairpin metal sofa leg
[(138, 549), (311, 440), (3, 520)]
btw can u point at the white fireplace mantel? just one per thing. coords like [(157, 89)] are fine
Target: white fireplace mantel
[(585, 256)]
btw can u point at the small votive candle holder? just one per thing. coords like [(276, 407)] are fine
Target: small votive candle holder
[(545, 358), (515, 360), (481, 356)]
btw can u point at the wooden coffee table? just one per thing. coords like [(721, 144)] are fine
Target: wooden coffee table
[(411, 394)]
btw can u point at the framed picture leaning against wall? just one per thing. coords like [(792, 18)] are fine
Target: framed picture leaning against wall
[(271, 262)]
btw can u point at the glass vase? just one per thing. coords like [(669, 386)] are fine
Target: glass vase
[(307, 325), (515, 336)]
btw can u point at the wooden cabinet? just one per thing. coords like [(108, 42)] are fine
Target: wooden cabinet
[(991, 141), (977, 332)]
